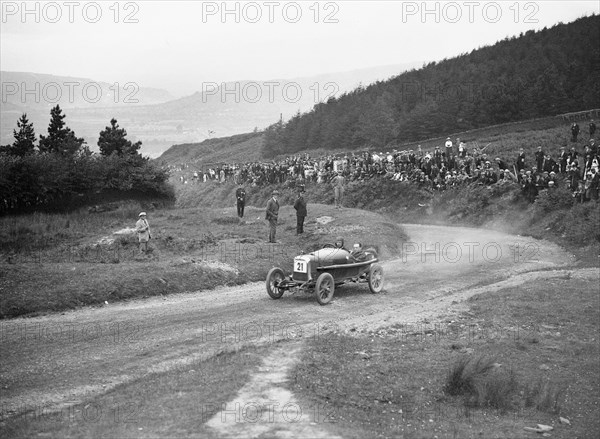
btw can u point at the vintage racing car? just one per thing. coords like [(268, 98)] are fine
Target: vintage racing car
[(325, 269)]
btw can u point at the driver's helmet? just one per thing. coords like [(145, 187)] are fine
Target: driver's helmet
[(339, 242)]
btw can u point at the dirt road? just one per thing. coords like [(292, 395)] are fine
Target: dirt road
[(63, 358)]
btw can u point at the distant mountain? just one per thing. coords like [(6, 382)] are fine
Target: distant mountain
[(160, 121), (36, 93), (37, 90)]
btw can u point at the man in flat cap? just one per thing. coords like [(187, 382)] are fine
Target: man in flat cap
[(272, 215), (143, 231), (240, 197), (300, 206), (574, 132)]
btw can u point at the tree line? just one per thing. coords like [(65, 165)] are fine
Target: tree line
[(536, 74), (61, 171)]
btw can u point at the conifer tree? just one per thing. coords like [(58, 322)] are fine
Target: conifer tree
[(24, 143), (113, 140), (60, 138)]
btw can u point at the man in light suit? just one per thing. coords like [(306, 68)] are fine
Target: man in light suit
[(143, 231), (272, 215)]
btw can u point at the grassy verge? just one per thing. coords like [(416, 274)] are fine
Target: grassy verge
[(58, 262), (171, 404), (519, 357)]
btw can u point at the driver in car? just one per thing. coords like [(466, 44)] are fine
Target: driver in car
[(357, 252)]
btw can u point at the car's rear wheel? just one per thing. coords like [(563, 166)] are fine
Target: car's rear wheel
[(376, 278), (324, 288), (274, 277)]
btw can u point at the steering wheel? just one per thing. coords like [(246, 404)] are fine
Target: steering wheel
[(329, 246)]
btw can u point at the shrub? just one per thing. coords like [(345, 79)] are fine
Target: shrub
[(53, 181), (482, 382), (462, 375), (581, 223), (496, 390), (544, 396), (552, 200)]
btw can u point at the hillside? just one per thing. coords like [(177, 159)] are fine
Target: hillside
[(159, 121), (502, 139), (558, 218), (240, 148), (534, 75)]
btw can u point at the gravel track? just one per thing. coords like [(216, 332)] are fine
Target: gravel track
[(62, 359)]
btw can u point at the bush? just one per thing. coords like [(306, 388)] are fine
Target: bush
[(461, 377), (544, 396), (581, 223), (55, 182), (552, 200), (482, 382)]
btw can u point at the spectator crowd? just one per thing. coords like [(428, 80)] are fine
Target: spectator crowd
[(450, 165)]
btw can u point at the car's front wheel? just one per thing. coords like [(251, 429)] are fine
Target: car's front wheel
[(274, 277), (376, 278), (324, 288)]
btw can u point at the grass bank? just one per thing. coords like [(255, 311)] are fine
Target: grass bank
[(517, 358), (55, 262), (554, 216)]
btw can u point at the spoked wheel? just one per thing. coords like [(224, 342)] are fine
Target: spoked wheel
[(376, 278), (274, 277), (324, 288)]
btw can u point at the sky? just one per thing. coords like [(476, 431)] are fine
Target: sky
[(179, 45)]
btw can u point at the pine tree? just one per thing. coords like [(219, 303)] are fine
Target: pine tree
[(113, 140), (24, 138), (60, 138)]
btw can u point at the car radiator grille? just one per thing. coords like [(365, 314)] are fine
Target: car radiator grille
[(302, 277)]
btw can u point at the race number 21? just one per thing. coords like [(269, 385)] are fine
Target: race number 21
[(300, 266)]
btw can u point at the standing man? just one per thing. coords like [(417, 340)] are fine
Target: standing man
[(574, 131), (448, 145), (549, 164), (573, 156), (300, 206), (593, 147), (462, 149), (539, 158), (143, 231), (240, 195), (338, 189), (520, 160), (272, 215), (563, 160), (592, 128)]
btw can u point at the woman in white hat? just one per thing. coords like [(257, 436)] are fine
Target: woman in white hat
[(143, 231)]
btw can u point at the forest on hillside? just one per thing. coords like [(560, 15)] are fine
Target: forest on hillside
[(536, 74)]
